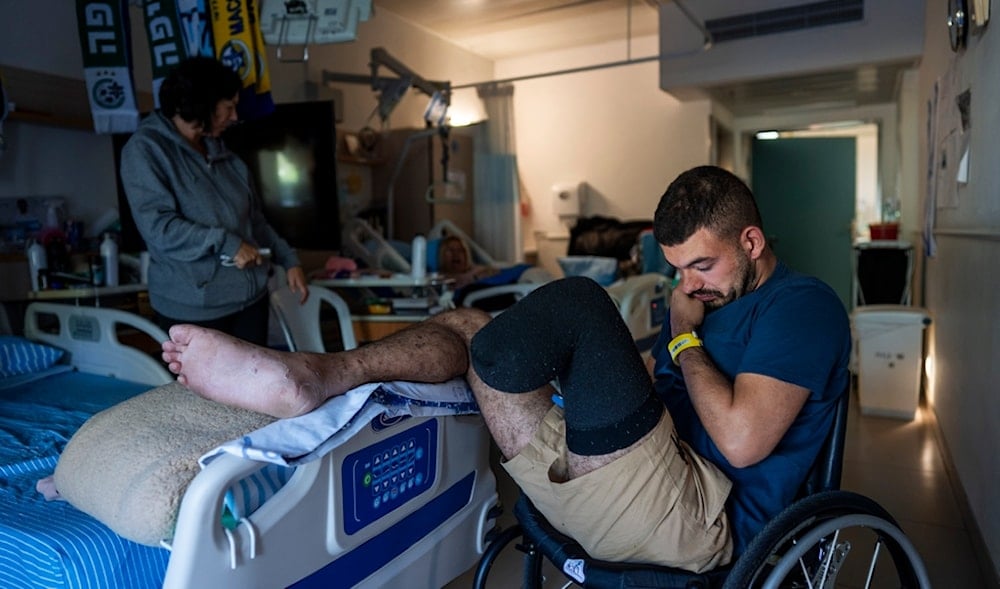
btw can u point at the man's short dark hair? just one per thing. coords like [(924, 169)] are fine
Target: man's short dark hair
[(194, 88), (709, 197)]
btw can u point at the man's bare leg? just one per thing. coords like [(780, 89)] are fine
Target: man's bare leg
[(511, 419), (286, 384)]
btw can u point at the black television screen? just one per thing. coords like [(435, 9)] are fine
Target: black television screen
[(291, 154)]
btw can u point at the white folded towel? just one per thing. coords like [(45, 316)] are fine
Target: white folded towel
[(297, 440)]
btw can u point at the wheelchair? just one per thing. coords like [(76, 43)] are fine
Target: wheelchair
[(820, 541)]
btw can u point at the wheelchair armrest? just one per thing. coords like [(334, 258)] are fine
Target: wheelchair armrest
[(559, 548)]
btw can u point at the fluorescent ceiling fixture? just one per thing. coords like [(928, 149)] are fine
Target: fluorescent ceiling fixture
[(767, 135)]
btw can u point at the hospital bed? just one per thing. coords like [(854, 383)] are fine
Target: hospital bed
[(320, 529), (81, 368)]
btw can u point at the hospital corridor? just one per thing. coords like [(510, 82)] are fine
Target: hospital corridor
[(901, 464)]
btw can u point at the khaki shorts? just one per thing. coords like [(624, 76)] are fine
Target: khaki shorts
[(659, 504)]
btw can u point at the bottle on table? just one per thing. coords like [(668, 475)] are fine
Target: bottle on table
[(109, 255)]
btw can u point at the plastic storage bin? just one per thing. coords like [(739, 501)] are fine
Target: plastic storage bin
[(889, 358)]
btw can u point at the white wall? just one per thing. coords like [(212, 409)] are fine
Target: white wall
[(963, 278), (613, 129), (70, 163)]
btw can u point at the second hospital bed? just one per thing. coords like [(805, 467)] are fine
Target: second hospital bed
[(642, 298), (323, 527)]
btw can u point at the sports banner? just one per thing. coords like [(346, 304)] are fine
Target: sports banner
[(103, 26), (197, 31), (177, 29), (239, 44)]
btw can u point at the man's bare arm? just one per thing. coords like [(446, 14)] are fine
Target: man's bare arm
[(747, 418)]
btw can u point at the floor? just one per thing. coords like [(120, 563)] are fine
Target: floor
[(901, 465)]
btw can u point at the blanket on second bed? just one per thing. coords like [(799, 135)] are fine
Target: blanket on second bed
[(129, 465)]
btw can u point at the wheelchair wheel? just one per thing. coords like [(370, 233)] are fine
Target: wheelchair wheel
[(827, 540)]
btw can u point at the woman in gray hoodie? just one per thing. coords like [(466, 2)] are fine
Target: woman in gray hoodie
[(195, 206)]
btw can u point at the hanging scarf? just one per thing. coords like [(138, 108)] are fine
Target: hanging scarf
[(177, 30), (239, 44), (195, 27), (104, 39)]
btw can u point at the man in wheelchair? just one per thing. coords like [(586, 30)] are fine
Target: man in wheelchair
[(680, 470)]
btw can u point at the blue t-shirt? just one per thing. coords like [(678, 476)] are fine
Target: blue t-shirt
[(795, 329)]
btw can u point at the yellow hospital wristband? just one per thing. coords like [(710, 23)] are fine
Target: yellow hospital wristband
[(681, 343)]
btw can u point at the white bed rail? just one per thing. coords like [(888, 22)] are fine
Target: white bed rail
[(479, 255), (357, 234), (301, 530), (642, 301), (90, 337)]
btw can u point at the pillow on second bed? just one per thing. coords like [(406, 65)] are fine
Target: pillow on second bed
[(129, 465), (21, 356)]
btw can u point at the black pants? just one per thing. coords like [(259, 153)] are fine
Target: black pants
[(249, 324), (570, 330)]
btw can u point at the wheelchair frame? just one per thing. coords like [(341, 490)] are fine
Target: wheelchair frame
[(804, 546)]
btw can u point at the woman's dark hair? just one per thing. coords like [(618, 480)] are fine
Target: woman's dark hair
[(709, 197), (194, 88)]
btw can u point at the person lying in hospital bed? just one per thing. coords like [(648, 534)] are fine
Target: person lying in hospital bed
[(454, 260), (681, 470)]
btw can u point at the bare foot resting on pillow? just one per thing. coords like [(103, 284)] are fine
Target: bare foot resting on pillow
[(231, 371), (285, 384)]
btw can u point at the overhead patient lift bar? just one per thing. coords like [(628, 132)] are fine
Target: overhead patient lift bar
[(390, 91)]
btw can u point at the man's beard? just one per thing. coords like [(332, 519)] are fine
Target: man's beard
[(745, 283)]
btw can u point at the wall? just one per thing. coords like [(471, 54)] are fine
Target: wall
[(613, 129), (78, 164), (962, 278)]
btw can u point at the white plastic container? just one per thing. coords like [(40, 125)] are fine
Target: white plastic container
[(418, 257), (109, 256), (37, 261), (889, 357)]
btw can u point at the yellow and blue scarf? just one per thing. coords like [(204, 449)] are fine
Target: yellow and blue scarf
[(239, 44)]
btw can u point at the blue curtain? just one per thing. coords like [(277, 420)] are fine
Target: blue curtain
[(496, 215)]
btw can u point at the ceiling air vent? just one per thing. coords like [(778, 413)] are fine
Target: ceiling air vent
[(782, 20)]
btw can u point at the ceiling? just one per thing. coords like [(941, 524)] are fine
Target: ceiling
[(508, 28), (499, 29)]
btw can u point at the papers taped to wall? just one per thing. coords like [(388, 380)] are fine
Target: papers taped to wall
[(312, 22)]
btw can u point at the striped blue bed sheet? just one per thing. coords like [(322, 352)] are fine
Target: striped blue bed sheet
[(51, 544)]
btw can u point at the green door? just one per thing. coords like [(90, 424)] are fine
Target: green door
[(805, 188)]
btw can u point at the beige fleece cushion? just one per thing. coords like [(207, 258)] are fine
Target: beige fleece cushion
[(129, 465)]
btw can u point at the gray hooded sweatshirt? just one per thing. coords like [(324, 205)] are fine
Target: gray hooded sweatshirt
[(191, 210)]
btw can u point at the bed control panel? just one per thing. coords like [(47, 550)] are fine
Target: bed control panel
[(385, 475)]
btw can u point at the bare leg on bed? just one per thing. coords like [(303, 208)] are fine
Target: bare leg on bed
[(283, 384)]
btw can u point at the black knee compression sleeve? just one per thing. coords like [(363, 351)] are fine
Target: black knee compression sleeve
[(570, 329)]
